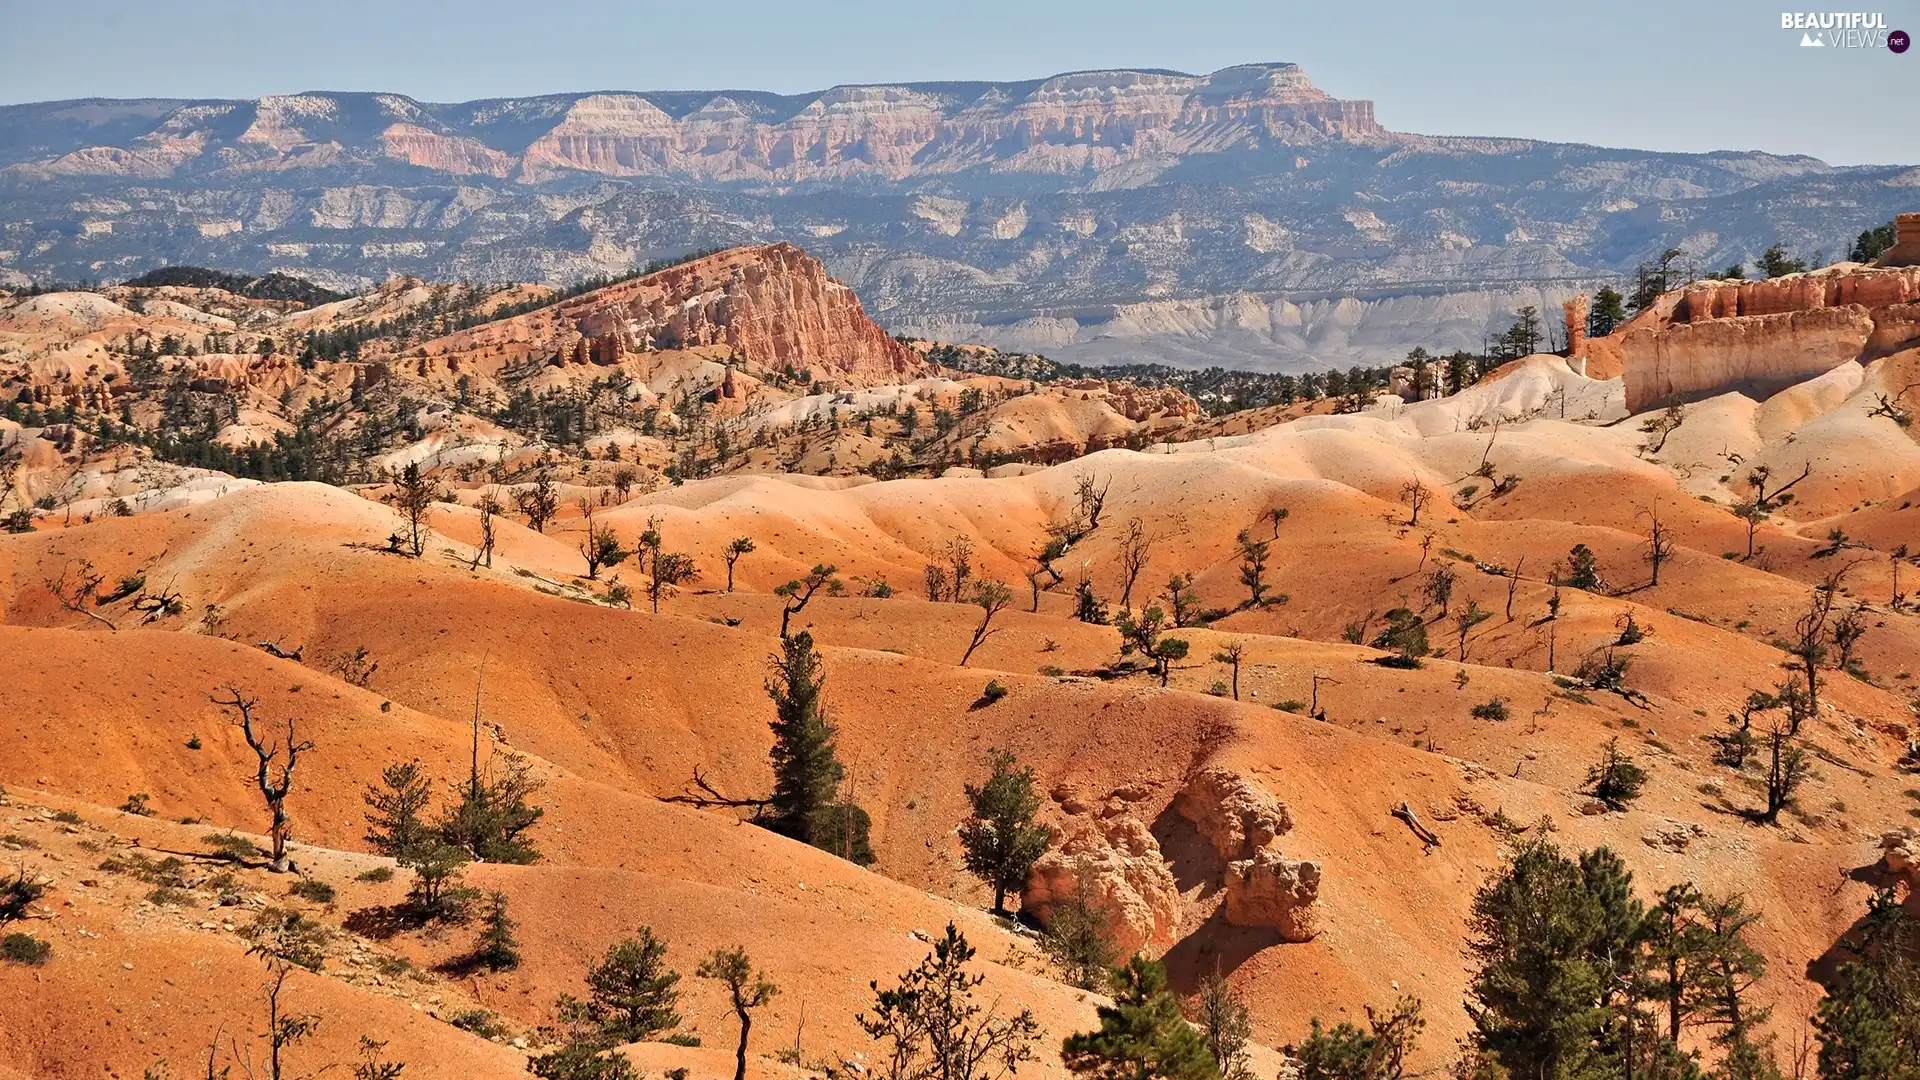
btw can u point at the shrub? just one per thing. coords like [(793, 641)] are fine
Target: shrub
[(481, 1022), (994, 692), (231, 847), (168, 896), (1219, 688), (1615, 780), (24, 949), (312, 889), (1490, 710), (1291, 705), (137, 804), (375, 875), (68, 817)]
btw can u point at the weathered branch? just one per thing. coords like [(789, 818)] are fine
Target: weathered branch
[(709, 797)]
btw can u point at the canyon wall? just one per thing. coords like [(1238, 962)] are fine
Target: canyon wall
[(1760, 337)]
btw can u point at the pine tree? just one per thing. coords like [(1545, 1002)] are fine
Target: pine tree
[(1609, 311), (747, 990), (1142, 1035), (396, 824), (1869, 1022), (1001, 840), (631, 993), (497, 949), (806, 770), (1536, 997)]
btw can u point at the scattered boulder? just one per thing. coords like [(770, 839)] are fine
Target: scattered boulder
[(1272, 890), (1900, 853)]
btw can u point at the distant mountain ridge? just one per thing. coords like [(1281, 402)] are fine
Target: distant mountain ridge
[(1244, 217)]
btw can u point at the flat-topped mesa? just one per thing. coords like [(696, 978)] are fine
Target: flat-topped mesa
[(773, 306), (1760, 337), (1081, 121)]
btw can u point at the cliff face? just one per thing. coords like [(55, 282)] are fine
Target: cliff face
[(772, 307), (1086, 120), (1760, 337)]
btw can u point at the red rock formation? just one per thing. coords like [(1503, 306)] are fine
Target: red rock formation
[(773, 306), (1906, 242), (1576, 314), (1760, 337)]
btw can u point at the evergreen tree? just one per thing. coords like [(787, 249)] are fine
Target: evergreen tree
[(1868, 246), (497, 949), (1869, 1022), (805, 803), (1535, 1000), (1348, 1053), (1142, 1035), (1609, 310), (631, 993), (1075, 938), (1224, 1018), (1001, 840), (1775, 262), (396, 822), (933, 1028)]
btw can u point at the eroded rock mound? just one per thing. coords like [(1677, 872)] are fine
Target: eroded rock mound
[(1273, 890), (1236, 816), (1126, 876)]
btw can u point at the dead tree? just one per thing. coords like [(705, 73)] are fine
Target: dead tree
[(489, 510), (277, 760), (78, 590), (1659, 543), (1136, 549), (1416, 495), (1513, 585)]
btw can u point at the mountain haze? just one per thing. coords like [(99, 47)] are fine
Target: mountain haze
[(1245, 217)]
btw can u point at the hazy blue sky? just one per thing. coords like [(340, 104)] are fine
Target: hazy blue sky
[(1678, 75)]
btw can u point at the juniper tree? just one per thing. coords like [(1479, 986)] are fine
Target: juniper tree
[(671, 569), (1000, 839)]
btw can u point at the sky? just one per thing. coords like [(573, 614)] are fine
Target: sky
[(1685, 75)]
